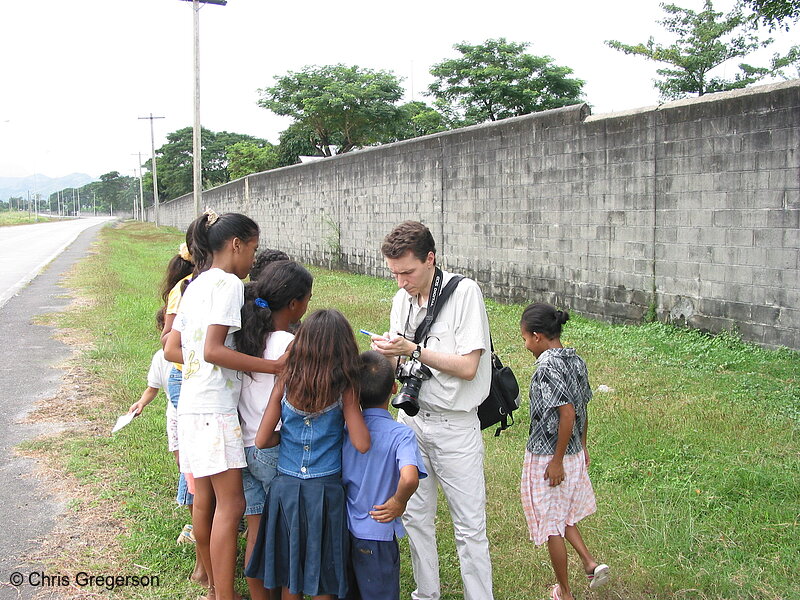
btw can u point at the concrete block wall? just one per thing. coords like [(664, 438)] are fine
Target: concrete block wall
[(690, 208)]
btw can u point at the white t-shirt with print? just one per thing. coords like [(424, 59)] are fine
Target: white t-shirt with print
[(256, 390), (213, 298), (461, 327), (158, 375)]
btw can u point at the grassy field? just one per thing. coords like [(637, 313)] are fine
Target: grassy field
[(20, 218), (695, 456)]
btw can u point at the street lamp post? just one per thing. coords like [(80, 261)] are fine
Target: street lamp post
[(196, 130)]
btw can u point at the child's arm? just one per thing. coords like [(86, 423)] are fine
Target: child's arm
[(147, 398), (583, 440), (396, 505), (169, 319), (266, 436), (172, 347), (566, 420), (217, 353), (356, 428)]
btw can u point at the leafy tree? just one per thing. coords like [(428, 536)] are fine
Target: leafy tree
[(250, 157), (498, 79), (110, 190), (774, 13), (295, 141), (337, 105), (706, 39), (175, 161), (791, 59), (420, 119)]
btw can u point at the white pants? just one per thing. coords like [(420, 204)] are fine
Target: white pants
[(452, 448)]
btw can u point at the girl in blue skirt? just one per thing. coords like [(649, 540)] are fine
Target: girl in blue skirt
[(302, 538)]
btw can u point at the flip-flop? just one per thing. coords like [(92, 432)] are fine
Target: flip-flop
[(555, 593), (598, 577)]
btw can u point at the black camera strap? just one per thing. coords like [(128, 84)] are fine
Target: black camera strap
[(436, 298)]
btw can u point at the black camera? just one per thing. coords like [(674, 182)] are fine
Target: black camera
[(411, 373)]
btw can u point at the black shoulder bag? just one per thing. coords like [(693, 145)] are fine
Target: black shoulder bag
[(503, 398)]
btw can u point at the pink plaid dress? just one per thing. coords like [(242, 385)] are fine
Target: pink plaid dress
[(549, 510)]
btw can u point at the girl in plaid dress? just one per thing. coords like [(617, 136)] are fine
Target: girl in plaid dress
[(556, 491)]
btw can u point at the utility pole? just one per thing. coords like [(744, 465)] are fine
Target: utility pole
[(155, 176), (141, 188), (197, 130), (135, 202)]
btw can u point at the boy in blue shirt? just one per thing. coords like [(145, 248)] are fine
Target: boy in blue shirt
[(378, 484)]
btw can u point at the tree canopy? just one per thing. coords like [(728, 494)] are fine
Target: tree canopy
[(774, 13), (337, 105), (498, 79), (175, 160), (705, 40), (250, 157), (112, 190)]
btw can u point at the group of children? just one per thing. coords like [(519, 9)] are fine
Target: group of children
[(290, 427)]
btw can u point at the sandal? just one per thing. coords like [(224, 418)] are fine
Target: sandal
[(186, 535), (555, 593), (598, 577)]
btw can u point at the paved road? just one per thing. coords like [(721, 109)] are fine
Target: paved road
[(27, 509), (26, 249)]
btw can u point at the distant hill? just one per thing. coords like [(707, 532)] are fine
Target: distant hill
[(44, 185)]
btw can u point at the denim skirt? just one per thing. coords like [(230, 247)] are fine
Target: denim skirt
[(303, 541)]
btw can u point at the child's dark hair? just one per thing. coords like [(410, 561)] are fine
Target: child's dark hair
[(322, 362), (377, 378), (212, 231), (279, 284), (544, 318), (160, 318), (263, 258), (179, 266)]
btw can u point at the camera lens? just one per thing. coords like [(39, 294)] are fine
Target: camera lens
[(407, 398)]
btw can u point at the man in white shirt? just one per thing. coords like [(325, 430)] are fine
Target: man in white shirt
[(456, 349)]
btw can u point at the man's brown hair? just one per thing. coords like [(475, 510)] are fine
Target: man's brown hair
[(409, 235)]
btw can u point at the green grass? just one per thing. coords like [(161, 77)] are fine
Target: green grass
[(695, 456), (20, 218)]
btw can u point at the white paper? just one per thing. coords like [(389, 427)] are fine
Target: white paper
[(122, 421)]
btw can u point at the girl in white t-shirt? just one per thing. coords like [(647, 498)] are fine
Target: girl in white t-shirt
[(209, 436), (272, 304)]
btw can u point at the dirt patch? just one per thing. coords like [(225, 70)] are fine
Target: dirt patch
[(87, 530)]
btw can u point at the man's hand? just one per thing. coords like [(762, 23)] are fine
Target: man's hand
[(388, 511), (396, 346)]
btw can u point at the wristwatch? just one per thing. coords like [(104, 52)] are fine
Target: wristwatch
[(416, 353)]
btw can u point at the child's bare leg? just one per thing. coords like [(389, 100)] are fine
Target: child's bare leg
[(558, 557), (224, 532), (256, 586), (202, 519), (287, 595), (576, 541), (199, 574)]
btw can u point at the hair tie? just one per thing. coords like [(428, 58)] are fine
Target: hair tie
[(260, 302), (183, 251), (212, 217)]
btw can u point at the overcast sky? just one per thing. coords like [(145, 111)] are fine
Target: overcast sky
[(77, 74)]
